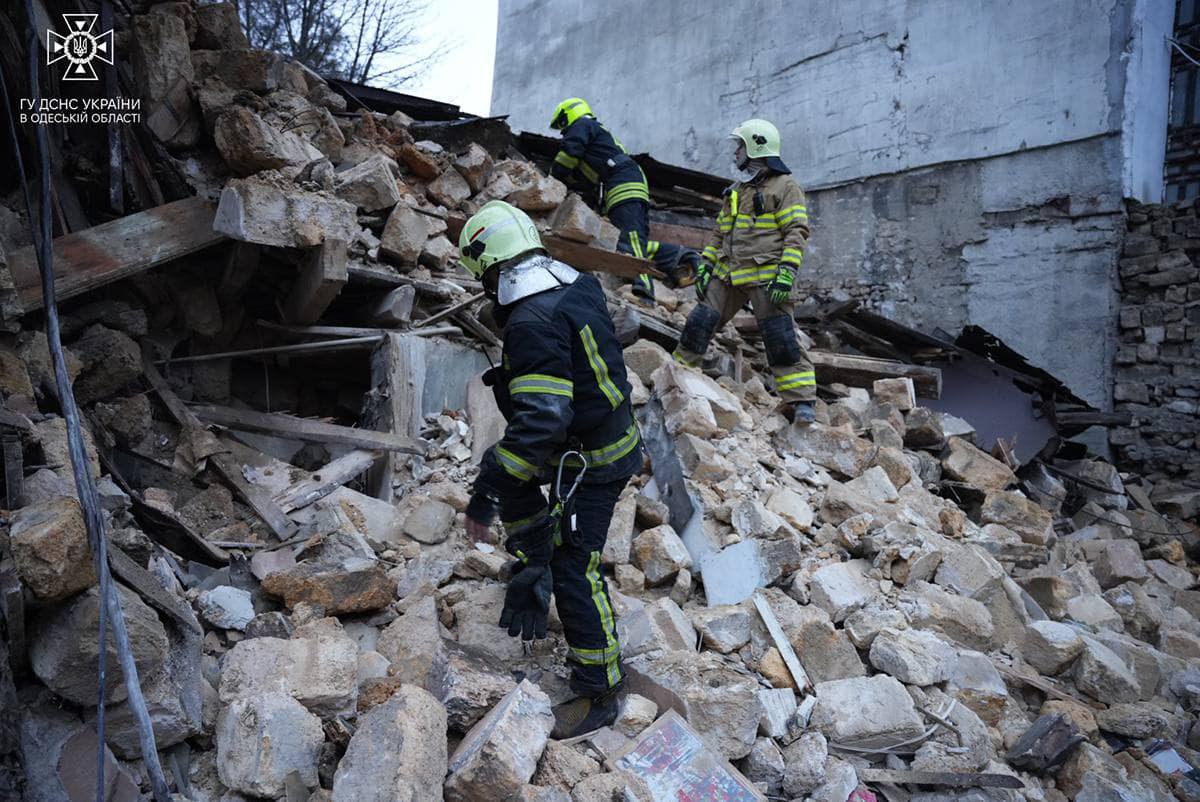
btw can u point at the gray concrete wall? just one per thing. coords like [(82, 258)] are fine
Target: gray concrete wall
[(858, 89), (1144, 118), (1024, 245), (965, 159)]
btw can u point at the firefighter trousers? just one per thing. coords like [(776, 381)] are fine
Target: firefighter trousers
[(580, 592), (632, 217), (790, 364)]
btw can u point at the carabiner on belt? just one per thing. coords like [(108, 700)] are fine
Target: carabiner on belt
[(561, 502)]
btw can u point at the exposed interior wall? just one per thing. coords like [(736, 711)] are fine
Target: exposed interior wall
[(1158, 361), (1024, 245)]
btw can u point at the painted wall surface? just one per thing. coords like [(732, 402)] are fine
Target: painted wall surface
[(965, 159)]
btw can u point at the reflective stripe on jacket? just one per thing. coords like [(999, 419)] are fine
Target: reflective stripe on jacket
[(562, 387), (591, 150), (749, 244)]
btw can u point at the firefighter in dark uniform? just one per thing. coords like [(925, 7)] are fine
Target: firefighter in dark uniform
[(592, 153), (562, 388)]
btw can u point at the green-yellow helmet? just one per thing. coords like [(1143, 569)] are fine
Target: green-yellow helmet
[(761, 138), (568, 112), (497, 232)]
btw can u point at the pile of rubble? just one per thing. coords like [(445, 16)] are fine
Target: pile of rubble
[(838, 612)]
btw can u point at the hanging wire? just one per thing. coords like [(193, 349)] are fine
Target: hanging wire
[(1175, 43), (109, 604)]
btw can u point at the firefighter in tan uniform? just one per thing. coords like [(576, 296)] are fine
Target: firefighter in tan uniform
[(754, 255)]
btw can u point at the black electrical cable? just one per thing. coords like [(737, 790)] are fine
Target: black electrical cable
[(110, 605)]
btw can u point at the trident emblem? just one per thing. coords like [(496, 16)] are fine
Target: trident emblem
[(79, 47)]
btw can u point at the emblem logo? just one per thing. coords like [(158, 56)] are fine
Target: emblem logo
[(79, 47)]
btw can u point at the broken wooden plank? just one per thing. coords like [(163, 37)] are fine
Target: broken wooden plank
[(480, 331), (598, 260), (327, 479), (261, 502), (1054, 690), (382, 276), (862, 371), (948, 779), (350, 343), (14, 466), (354, 331), (688, 236), (461, 306), (658, 331), (322, 276), (799, 675), (208, 447), (112, 251), (394, 402), (312, 431), (149, 588)]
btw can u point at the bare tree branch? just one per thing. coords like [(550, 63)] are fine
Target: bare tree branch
[(350, 39)]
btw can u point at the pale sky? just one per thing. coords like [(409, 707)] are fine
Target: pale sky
[(464, 74)]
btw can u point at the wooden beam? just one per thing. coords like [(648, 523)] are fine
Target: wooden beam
[(799, 675), (258, 500), (949, 779), (687, 236), (445, 313), (349, 343), (322, 276), (394, 403), (142, 581), (216, 453), (353, 331), (480, 331), (112, 251), (326, 480), (385, 277), (312, 431), (862, 371), (598, 260)]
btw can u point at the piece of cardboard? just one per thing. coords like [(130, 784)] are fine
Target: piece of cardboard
[(677, 766)]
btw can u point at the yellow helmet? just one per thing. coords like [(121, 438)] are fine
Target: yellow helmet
[(568, 112), (761, 139), (498, 231)]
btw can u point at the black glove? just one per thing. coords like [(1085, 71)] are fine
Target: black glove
[(527, 602), (483, 507)]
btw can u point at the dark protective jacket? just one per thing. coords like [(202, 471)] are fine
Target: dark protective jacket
[(590, 149), (562, 386)]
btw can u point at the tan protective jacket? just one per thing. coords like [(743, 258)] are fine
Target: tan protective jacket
[(750, 244)]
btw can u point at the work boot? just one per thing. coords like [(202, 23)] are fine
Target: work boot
[(804, 413), (583, 715)]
